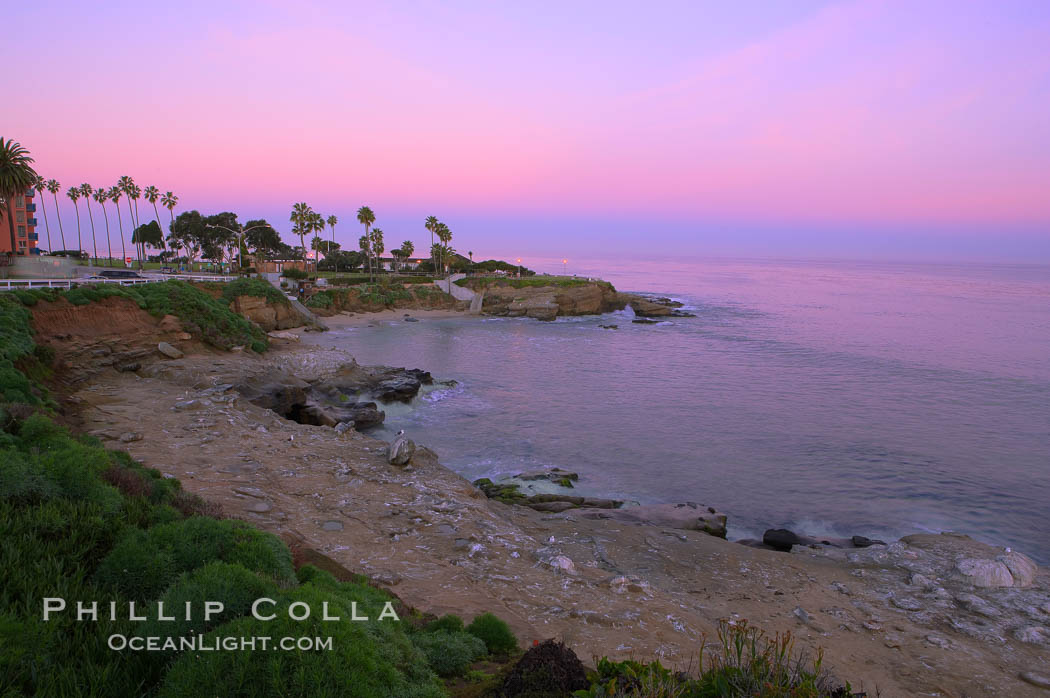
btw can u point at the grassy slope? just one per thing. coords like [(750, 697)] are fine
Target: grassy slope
[(82, 523)]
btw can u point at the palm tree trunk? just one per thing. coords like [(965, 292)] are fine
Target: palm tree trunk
[(94, 244), (58, 212), (109, 240), (11, 221), (47, 226), (131, 216), (80, 245), (123, 251)]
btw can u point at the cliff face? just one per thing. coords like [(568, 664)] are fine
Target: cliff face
[(268, 316), (548, 302)]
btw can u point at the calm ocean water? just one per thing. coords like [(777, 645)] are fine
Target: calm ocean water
[(828, 397)]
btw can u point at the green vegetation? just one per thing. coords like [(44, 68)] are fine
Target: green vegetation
[(508, 493), (748, 663), (201, 314), (81, 523), (494, 633), (448, 622), (378, 295), (450, 653), (293, 273), (248, 287)]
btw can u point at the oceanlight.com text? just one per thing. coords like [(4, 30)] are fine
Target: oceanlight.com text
[(201, 643)]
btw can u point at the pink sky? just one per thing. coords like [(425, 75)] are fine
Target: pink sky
[(540, 129)]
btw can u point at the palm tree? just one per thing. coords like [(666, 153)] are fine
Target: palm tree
[(127, 187), (169, 200), (86, 190), (152, 194), (40, 185), (377, 244), (301, 223), (471, 255), (317, 223), (366, 249), (366, 218), (114, 194), (407, 248), (431, 224), (444, 235), (53, 186), (74, 193), (332, 220), (100, 196), (17, 176)]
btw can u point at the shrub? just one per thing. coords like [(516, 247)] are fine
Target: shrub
[(450, 653), (494, 633), (450, 623), (233, 585), (293, 273), (252, 287), (373, 658)]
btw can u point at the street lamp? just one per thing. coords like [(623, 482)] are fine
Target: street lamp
[(565, 267), (519, 267)]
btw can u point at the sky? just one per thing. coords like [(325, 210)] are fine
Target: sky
[(863, 129)]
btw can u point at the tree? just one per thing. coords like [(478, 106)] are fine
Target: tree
[(17, 176), (366, 218), (316, 223), (431, 225), (332, 220), (218, 236), (127, 186), (262, 239), (188, 230), (169, 200), (152, 194), (74, 193), (40, 185), (114, 195), (377, 245), (444, 235), (365, 246), (86, 190), (100, 196), (53, 186), (407, 248), (301, 224), (148, 234)]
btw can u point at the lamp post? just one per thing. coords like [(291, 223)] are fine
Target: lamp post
[(519, 267), (565, 267)]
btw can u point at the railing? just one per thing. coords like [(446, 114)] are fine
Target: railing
[(31, 221), (33, 236), (12, 284), (31, 208)]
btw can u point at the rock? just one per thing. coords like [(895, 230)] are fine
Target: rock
[(401, 450), (411, 319), (184, 405), (551, 507), (129, 436), (260, 507), (250, 492), (688, 516), (938, 641), (541, 498), (1009, 570), (1022, 568), (288, 336), (599, 503), (129, 367), (1032, 634), (1034, 679), (862, 542), (343, 427), (332, 526), (643, 321), (169, 351), (554, 474), (975, 604), (183, 335), (780, 539), (562, 564), (646, 308), (170, 323), (609, 327), (907, 603)]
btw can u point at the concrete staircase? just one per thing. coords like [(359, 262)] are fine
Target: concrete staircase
[(458, 292)]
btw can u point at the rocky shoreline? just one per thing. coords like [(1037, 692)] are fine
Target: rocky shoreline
[(934, 614)]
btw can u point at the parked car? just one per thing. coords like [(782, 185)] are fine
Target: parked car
[(119, 274), (168, 270)]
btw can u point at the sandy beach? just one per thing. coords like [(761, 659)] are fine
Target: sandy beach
[(346, 319)]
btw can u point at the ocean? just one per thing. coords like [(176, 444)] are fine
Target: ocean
[(831, 398)]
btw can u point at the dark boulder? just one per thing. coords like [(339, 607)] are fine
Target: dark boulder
[(549, 669), (780, 539), (862, 542)]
